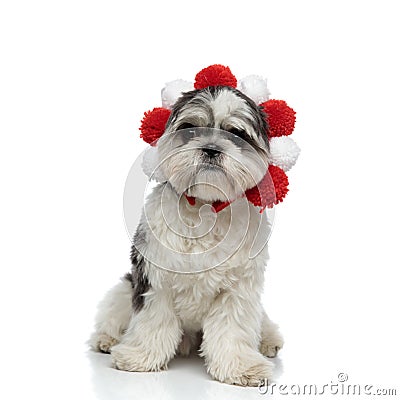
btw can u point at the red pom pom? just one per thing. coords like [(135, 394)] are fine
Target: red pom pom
[(270, 190), (281, 118), (153, 124), (215, 75)]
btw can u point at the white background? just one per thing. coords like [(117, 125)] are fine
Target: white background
[(76, 77)]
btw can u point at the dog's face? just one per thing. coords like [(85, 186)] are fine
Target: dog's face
[(215, 145)]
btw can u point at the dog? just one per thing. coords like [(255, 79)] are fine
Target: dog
[(197, 274)]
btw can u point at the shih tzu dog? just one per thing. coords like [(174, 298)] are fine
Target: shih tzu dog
[(198, 256)]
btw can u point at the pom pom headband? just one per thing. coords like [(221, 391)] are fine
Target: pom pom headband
[(280, 117)]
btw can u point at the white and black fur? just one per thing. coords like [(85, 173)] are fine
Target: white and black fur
[(176, 300)]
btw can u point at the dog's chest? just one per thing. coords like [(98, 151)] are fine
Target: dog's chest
[(194, 239), (199, 254), (193, 295)]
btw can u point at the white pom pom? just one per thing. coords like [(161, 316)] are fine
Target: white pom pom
[(255, 87), (150, 164), (173, 90), (284, 152)]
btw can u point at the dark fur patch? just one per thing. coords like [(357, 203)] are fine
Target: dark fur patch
[(192, 99), (140, 283)]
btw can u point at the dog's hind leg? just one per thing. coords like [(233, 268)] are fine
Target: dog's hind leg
[(113, 316), (271, 338)]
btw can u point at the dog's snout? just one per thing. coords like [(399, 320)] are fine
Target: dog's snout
[(211, 150)]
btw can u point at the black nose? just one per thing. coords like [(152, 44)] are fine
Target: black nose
[(211, 150)]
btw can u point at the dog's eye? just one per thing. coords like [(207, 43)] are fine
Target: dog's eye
[(240, 136), (239, 133), (185, 125)]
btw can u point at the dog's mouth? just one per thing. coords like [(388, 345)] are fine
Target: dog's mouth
[(213, 166), (211, 170), (212, 183)]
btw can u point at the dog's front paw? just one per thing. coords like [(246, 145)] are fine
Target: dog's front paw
[(102, 342), (251, 374), (271, 343), (130, 358)]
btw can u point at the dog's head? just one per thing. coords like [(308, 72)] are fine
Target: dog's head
[(215, 145)]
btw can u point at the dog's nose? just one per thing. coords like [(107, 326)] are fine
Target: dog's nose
[(211, 150)]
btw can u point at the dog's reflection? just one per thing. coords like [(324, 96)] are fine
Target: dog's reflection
[(186, 378)]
